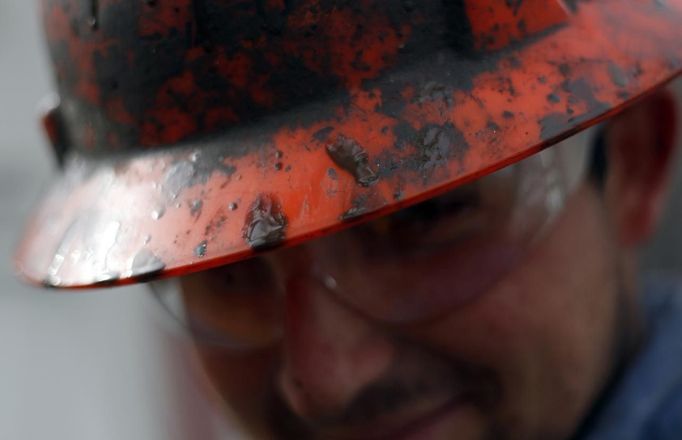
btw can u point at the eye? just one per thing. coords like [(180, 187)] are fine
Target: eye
[(236, 305), (445, 208), (423, 227)]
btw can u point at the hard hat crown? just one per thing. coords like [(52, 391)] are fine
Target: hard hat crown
[(148, 73), (290, 119)]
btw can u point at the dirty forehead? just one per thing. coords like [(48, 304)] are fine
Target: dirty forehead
[(345, 111)]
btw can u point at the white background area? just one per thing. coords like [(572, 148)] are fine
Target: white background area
[(92, 366), (96, 366)]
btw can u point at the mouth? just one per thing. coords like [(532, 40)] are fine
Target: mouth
[(419, 425), (425, 399)]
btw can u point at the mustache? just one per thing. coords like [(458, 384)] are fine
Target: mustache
[(412, 378)]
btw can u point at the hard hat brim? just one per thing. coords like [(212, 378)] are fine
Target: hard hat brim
[(300, 175)]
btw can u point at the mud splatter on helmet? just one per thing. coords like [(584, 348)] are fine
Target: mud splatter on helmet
[(194, 133)]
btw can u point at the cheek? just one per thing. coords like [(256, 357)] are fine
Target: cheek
[(243, 382), (546, 328)]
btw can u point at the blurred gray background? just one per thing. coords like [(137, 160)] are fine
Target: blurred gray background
[(95, 366), (74, 366)]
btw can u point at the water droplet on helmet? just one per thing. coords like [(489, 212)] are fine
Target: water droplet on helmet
[(62, 253), (158, 213), (349, 155), (265, 225), (55, 266), (195, 208), (233, 206)]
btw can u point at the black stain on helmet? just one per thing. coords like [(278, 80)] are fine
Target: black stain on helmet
[(216, 223), (617, 75), (435, 91), (322, 134), (363, 204), (405, 134), (354, 213), (265, 224), (359, 208), (331, 172), (553, 98), (514, 5), (459, 34), (436, 145), (553, 124), (578, 91), (352, 157)]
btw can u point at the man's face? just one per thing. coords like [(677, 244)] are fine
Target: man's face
[(522, 360)]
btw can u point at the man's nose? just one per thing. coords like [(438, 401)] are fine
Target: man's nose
[(330, 351)]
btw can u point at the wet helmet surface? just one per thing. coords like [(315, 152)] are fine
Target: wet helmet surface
[(195, 133)]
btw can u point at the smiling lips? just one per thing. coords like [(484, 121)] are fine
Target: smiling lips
[(409, 424)]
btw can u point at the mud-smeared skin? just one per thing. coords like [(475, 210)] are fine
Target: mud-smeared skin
[(350, 156), (265, 225), (164, 104)]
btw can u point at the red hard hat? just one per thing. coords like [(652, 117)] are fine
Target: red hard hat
[(195, 133)]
